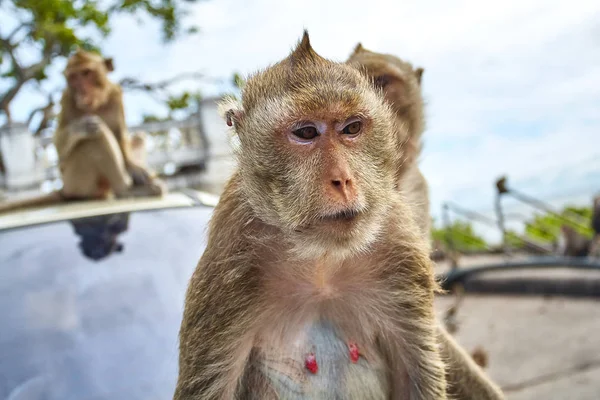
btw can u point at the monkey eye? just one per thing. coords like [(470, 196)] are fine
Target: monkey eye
[(353, 128), (86, 72), (306, 133), (382, 81)]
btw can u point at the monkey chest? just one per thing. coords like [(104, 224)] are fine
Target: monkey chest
[(317, 363)]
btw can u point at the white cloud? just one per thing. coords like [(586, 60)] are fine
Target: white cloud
[(512, 86)]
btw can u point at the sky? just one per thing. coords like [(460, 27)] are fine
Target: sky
[(511, 87)]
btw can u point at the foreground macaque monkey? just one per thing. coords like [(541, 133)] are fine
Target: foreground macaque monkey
[(401, 87), (92, 142), (315, 282)]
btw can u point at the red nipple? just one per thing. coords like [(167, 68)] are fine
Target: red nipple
[(311, 363), (354, 354)]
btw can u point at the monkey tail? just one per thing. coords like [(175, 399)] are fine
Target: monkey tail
[(44, 200)]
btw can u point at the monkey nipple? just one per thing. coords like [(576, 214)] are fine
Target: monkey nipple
[(310, 362), (354, 353)]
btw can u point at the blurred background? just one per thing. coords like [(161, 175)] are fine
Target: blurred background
[(511, 90)]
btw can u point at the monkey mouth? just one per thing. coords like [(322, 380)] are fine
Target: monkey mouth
[(341, 216)]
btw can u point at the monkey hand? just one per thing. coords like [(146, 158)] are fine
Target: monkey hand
[(139, 174), (92, 124), (87, 126)]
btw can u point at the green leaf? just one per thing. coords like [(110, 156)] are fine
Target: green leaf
[(546, 228), (179, 102), (237, 80), (153, 118), (460, 235)]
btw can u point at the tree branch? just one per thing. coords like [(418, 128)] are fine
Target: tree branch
[(11, 36), (10, 49), (135, 84), (23, 74)]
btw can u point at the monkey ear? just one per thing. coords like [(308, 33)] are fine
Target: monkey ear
[(108, 63), (231, 111), (359, 47), (419, 74)]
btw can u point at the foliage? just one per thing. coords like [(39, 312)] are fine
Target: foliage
[(147, 118), (55, 28), (546, 228), (237, 80), (460, 236), (514, 240), (186, 103)]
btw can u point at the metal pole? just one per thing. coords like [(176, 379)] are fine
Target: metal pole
[(544, 207), (501, 186), (475, 216)]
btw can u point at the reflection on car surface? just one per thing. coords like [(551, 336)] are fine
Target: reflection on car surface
[(91, 307)]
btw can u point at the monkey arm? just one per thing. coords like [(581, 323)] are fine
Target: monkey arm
[(61, 142), (73, 127), (61, 134), (67, 136), (215, 336), (415, 355), (465, 379), (221, 308), (410, 343)]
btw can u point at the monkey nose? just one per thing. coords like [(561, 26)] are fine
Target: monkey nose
[(343, 188)]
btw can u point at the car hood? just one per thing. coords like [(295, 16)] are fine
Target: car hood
[(90, 307)]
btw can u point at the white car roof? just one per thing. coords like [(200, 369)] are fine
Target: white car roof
[(82, 209)]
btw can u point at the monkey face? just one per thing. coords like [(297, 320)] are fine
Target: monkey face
[(399, 87), (84, 85), (398, 81), (318, 150), (320, 176), (86, 80)]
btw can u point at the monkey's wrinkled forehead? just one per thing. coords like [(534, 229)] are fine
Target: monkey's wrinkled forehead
[(319, 85)]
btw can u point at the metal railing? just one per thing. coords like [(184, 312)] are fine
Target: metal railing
[(170, 146)]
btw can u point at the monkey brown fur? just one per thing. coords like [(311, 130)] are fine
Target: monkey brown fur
[(92, 114), (401, 86), (310, 251), (92, 141), (304, 253)]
